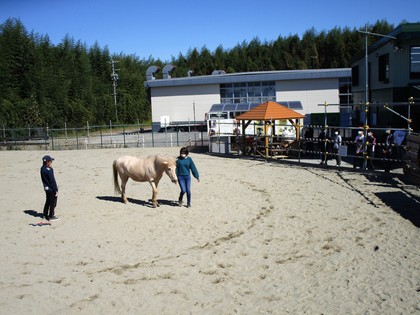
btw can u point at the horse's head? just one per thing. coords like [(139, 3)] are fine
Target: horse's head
[(170, 167)]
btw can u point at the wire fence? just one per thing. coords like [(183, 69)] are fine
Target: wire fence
[(94, 137)]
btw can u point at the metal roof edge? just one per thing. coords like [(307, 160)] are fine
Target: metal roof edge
[(252, 76)]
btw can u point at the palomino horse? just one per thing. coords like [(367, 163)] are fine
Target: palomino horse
[(149, 170)]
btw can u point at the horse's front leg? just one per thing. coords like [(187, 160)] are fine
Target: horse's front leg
[(154, 193)]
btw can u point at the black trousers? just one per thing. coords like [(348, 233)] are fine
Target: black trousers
[(50, 203)]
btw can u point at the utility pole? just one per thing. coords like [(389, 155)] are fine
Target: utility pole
[(114, 78), (366, 105)]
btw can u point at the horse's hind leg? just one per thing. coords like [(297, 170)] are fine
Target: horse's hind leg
[(123, 184)]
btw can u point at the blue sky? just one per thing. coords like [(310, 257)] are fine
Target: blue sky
[(165, 28)]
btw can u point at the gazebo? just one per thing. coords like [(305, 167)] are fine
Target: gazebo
[(270, 111)]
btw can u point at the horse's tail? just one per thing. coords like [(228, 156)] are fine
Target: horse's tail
[(117, 188)]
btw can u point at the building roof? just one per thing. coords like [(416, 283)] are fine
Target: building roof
[(270, 111), (220, 77), (403, 32)]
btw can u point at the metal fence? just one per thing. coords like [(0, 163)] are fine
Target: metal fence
[(93, 137), (318, 147), (276, 146)]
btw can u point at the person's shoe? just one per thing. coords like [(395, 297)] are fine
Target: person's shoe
[(54, 218), (180, 202), (188, 206)]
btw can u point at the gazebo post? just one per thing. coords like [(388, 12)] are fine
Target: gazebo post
[(243, 142), (266, 139)]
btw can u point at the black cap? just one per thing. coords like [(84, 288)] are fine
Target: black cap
[(47, 158)]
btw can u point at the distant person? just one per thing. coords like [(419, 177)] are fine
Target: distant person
[(185, 165), (337, 140), (359, 143), (50, 188), (309, 135), (388, 142), (371, 144)]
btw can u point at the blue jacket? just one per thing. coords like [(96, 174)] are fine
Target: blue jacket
[(48, 179), (184, 165)]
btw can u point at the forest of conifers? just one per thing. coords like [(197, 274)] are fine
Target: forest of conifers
[(42, 84)]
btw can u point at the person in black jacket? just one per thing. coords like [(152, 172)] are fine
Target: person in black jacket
[(50, 188), (388, 142)]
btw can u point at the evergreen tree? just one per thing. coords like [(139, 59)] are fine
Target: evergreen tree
[(44, 84)]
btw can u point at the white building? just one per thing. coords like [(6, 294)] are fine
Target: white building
[(190, 98)]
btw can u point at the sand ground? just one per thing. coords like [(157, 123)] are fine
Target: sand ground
[(260, 238)]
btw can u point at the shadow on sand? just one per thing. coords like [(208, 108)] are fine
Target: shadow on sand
[(404, 205), (34, 213), (402, 202), (139, 202)]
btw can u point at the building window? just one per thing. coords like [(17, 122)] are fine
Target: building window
[(355, 76), (345, 90), (383, 73), (415, 63), (248, 92)]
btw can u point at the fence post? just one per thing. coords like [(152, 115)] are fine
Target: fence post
[(100, 131), (46, 139), (88, 135), (138, 133), (110, 130), (77, 140), (124, 135), (65, 132)]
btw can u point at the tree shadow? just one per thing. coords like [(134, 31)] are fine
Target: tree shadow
[(34, 213), (140, 202)]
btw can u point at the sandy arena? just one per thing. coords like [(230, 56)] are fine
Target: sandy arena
[(260, 238)]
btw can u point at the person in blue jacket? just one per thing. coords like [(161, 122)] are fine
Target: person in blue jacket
[(185, 165), (50, 188)]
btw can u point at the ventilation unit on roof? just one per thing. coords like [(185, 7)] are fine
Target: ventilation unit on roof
[(217, 72), (190, 72), (150, 71), (167, 71)]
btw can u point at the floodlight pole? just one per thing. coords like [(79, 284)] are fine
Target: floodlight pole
[(366, 58), (366, 109)]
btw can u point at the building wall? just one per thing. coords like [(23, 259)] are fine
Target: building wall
[(399, 72), (190, 98), (179, 102), (310, 93)]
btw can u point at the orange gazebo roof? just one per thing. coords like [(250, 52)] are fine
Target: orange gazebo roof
[(269, 111)]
